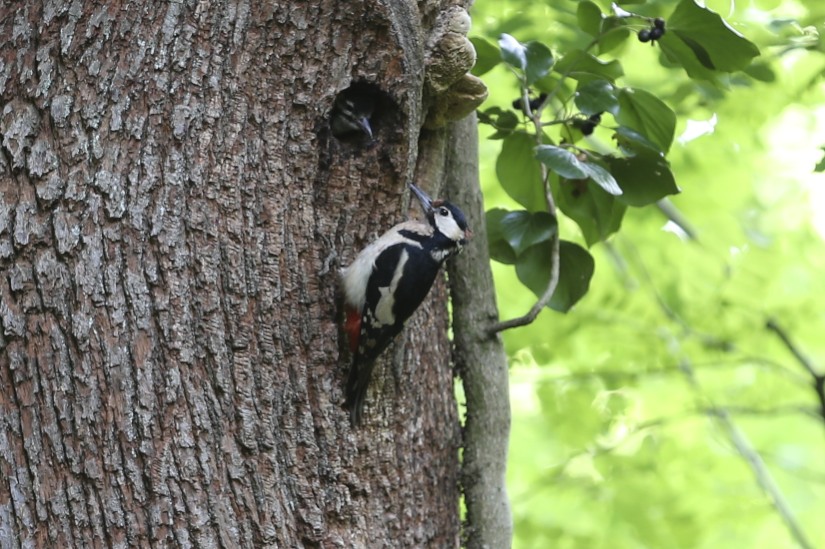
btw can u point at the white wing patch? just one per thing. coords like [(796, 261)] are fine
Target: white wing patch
[(356, 276), (383, 310)]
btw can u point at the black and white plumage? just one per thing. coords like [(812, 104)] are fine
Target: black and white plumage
[(351, 115), (389, 280)]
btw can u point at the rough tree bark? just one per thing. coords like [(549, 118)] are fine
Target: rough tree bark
[(173, 210), (480, 359)]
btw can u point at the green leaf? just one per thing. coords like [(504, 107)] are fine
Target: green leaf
[(534, 58), (644, 179), (589, 17), (539, 61), (523, 229), (519, 172), (596, 96), (500, 249), (820, 166), (576, 267), (553, 84), (696, 31), (509, 234), (597, 213), (567, 165), (602, 178), (761, 71), (614, 33), (561, 161), (580, 65), (647, 114), (503, 120), (487, 55), (681, 55), (632, 142), (512, 52)]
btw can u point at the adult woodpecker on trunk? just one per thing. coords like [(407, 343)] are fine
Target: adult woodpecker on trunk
[(389, 280)]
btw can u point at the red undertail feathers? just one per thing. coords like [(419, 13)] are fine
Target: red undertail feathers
[(352, 325)]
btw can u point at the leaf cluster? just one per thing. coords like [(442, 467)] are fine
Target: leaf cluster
[(578, 142)]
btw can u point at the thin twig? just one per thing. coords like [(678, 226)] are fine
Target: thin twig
[(595, 451), (669, 370), (535, 117), (817, 378), (752, 457), (773, 326), (676, 217), (736, 437)]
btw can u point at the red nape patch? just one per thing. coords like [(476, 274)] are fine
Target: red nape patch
[(352, 325)]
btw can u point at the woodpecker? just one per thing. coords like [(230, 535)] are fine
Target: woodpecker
[(389, 280), (351, 115)]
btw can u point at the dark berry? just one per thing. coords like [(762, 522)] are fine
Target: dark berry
[(587, 125), (535, 102), (644, 35), (655, 33), (659, 23)]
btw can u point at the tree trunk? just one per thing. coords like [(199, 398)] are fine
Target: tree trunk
[(174, 210), (480, 360)]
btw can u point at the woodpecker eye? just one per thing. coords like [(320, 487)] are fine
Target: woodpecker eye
[(444, 211)]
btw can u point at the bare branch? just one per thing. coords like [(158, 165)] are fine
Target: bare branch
[(817, 378), (751, 456), (773, 326), (677, 218), (723, 418), (541, 303)]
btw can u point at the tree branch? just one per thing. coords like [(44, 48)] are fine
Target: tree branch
[(479, 357), (602, 449), (737, 438), (722, 415), (541, 303), (535, 117), (677, 218), (818, 379), (752, 457)]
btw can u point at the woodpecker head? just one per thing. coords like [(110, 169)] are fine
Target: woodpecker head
[(351, 115), (444, 217)]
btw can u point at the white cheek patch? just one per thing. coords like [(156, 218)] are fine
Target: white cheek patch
[(448, 227)]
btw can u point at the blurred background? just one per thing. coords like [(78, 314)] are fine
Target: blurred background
[(665, 410)]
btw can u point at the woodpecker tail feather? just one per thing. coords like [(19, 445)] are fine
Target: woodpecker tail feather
[(357, 383)]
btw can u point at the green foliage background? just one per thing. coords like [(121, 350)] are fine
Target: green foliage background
[(632, 411)]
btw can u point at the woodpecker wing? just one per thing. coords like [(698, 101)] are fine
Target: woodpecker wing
[(402, 276)]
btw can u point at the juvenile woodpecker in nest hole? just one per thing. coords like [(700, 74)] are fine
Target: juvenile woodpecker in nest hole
[(351, 115), (388, 281)]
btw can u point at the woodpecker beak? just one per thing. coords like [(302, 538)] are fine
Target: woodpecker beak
[(363, 124), (426, 201)]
